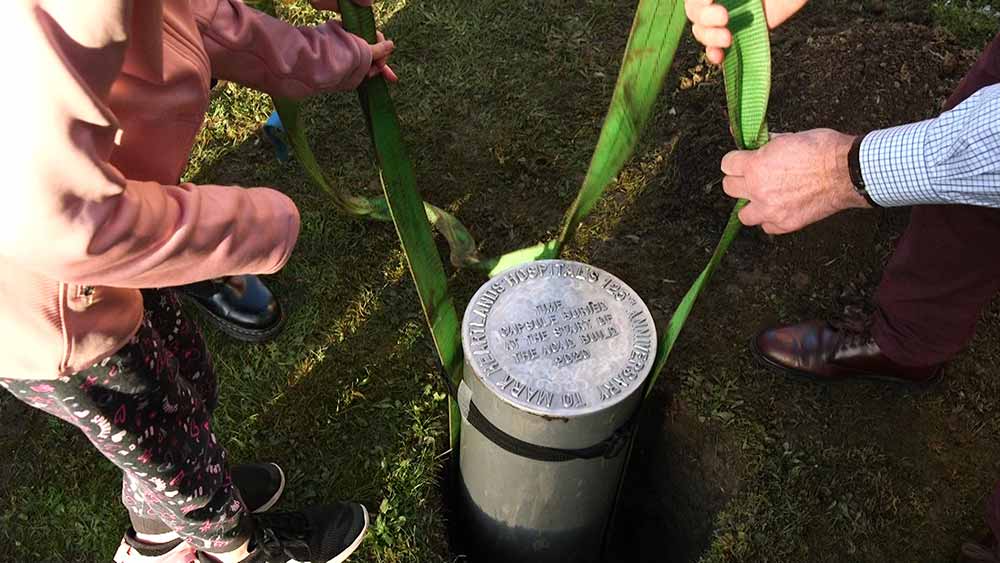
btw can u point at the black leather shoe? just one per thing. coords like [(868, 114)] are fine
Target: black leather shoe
[(834, 352), (241, 306)]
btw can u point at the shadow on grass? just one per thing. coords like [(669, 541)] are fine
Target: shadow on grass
[(501, 104), (735, 463)]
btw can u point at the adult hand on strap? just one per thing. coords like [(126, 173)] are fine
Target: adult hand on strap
[(709, 20), (792, 181), (380, 50)]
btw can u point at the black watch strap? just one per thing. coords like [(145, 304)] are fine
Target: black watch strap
[(854, 167)]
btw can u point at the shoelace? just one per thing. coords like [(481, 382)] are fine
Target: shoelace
[(854, 326), (277, 528)]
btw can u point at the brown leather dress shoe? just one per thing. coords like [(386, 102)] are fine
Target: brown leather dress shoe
[(834, 352)]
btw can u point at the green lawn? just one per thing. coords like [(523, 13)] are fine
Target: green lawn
[(973, 22), (501, 102)]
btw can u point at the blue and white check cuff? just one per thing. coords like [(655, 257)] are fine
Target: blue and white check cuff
[(954, 158), (892, 165)]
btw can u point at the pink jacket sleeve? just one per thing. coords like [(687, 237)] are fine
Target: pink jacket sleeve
[(66, 213), (251, 48)]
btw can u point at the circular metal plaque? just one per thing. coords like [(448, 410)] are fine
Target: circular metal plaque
[(559, 338)]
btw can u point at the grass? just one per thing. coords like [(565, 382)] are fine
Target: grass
[(501, 103), (973, 22), (815, 486), (347, 398)]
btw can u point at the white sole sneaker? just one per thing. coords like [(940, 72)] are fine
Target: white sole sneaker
[(182, 553), (277, 495), (343, 555)]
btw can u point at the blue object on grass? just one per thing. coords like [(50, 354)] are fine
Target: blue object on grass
[(275, 133)]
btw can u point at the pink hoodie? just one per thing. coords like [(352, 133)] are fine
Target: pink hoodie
[(105, 101)]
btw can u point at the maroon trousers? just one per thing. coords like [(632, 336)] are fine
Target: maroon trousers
[(944, 271), (946, 267)]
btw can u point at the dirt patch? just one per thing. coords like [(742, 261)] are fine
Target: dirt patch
[(729, 439)]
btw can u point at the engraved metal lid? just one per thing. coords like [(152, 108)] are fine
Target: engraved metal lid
[(559, 338)]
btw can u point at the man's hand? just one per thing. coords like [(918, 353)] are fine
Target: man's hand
[(380, 50), (710, 19), (793, 181)]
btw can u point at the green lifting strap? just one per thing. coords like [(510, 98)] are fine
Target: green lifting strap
[(461, 243), (408, 213), (747, 72), (656, 31), (653, 40), (649, 54)]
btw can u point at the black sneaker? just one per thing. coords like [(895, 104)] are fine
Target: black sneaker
[(318, 534), (260, 484)]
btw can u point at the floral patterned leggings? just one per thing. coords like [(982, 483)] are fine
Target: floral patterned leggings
[(147, 408)]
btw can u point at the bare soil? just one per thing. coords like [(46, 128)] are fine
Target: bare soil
[(735, 462)]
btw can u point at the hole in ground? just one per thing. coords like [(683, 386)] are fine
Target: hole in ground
[(678, 479), (457, 534), (680, 476)]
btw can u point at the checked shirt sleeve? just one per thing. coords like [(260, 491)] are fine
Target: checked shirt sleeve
[(953, 158)]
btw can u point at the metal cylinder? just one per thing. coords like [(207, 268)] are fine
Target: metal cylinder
[(556, 353)]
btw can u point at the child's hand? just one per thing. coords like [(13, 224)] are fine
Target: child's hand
[(380, 55), (380, 50), (709, 20)]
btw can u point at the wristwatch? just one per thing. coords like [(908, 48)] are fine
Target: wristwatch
[(854, 167)]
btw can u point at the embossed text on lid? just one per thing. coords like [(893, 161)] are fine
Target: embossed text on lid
[(559, 338)]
